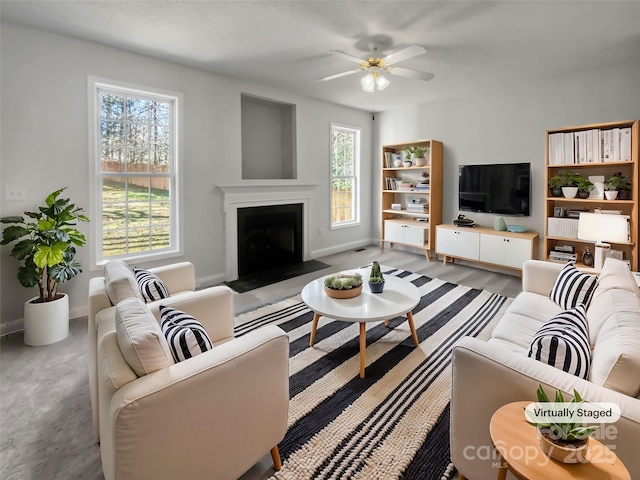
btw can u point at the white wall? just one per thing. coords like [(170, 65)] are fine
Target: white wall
[(509, 126), (45, 145)]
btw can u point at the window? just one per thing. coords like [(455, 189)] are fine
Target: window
[(345, 157), (135, 192)]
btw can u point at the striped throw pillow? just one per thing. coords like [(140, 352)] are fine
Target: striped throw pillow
[(185, 335), (563, 342), (573, 287), (150, 285)]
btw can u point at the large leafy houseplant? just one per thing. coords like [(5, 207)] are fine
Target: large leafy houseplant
[(46, 243)]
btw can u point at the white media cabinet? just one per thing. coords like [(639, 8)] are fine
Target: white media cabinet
[(485, 245)]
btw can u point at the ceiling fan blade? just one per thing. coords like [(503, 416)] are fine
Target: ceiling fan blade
[(405, 72), (338, 75), (347, 56), (404, 54)]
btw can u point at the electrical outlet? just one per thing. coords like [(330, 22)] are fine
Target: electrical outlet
[(321, 232), (16, 193)]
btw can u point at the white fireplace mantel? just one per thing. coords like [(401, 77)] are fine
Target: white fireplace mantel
[(258, 195)]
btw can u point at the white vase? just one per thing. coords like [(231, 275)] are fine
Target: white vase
[(421, 161), (569, 192), (611, 194), (397, 163), (46, 323)]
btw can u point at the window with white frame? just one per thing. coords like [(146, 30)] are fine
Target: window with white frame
[(136, 174), (345, 158)]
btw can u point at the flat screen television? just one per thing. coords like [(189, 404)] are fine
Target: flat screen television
[(503, 188)]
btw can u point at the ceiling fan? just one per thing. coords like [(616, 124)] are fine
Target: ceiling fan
[(375, 66)]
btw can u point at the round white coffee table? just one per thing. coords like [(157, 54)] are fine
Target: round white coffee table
[(398, 298)]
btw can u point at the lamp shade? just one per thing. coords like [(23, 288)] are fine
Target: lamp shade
[(382, 82), (600, 227), (368, 83)]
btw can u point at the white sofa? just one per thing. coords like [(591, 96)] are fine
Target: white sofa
[(487, 375), (210, 416), (105, 292)]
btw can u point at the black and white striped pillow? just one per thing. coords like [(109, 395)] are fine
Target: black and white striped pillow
[(563, 342), (573, 287), (150, 285), (185, 335)]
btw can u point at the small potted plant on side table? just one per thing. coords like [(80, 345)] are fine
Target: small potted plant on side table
[(376, 279), (343, 285)]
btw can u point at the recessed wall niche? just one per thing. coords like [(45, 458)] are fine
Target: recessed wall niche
[(268, 139)]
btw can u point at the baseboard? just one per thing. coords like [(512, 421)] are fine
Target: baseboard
[(323, 252), (17, 325)]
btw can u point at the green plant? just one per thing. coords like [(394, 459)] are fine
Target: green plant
[(566, 432), (570, 179), (584, 184), (556, 181), (415, 152), (376, 274), (617, 181), (343, 281), (48, 251)]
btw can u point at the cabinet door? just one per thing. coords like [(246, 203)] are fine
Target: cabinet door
[(517, 250), (468, 245), (492, 248), (394, 232), (414, 235), (446, 241)]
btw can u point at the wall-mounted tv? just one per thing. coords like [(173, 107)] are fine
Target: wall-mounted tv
[(503, 188)]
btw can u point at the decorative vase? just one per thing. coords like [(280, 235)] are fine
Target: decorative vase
[(498, 224), (407, 163), (421, 162), (397, 163), (611, 194), (569, 192), (623, 194), (376, 287), (556, 191), (587, 257), (583, 194), (574, 454), (46, 323), (345, 293)]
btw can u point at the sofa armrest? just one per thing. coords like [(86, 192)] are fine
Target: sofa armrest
[(178, 277), (211, 416), (212, 307), (539, 276), (486, 377)]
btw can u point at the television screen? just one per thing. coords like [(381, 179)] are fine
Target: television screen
[(503, 188)]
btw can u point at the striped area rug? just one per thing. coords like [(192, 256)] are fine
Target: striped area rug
[(395, 422)]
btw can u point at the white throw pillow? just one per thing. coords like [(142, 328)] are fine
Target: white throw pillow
[(616, 274), (563, 342), (120, 282), (573, 287), (185, 335), (150, 285), (140, 338)]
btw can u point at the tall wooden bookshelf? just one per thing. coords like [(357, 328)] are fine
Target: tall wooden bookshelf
[(597, 166), (408, 227)]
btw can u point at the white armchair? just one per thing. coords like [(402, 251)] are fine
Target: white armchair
[(211, 416)]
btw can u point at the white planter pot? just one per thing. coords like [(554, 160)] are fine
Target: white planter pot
[(569, 192), (421, 162), (46, 323), (611, 194)]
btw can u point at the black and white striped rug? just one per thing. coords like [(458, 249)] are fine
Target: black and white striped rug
[(395, 422)]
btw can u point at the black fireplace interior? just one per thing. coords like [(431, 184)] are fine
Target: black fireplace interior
[(269, 237)]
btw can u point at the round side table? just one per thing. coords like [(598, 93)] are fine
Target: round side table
[(519, 449)]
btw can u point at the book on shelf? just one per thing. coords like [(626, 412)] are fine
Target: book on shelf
[(562, 227), (388, 159), (625, 144)]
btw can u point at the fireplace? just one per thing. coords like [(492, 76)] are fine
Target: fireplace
[(269, 237)]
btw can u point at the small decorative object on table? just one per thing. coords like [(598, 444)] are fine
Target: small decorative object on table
[(343, 285), (376, 279), (498, 224), (587, 257)]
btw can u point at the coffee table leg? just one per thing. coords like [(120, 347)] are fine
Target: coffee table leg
[(314, 325), (363, 347), (412, 326), (502, 471)]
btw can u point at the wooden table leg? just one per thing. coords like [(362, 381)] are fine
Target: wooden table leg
[(412, 326), (363, 347), (502, 471), (314, 325), (386, 323)]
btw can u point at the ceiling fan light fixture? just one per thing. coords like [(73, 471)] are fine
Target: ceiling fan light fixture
[(368, 83), (382, 82)]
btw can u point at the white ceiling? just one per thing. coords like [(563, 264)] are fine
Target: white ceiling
[(285, 44)]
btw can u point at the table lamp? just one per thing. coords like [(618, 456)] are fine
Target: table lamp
[(601, 228)]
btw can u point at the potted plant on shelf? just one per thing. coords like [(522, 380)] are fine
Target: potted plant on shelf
[(46, 242), (555, 184), (584, 187), (343, 285), (570, 183), (619, 184), (563, 441), (418, 154), (376, 279)]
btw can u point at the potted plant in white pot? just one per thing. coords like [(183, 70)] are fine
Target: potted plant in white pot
[(46, 242), (418, 155)]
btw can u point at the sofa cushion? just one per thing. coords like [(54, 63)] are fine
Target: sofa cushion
[(185, 335), (573, 287), (140, 338), (120, 282), (615, 361), (563, 342), (150, 285), (616, 274)]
